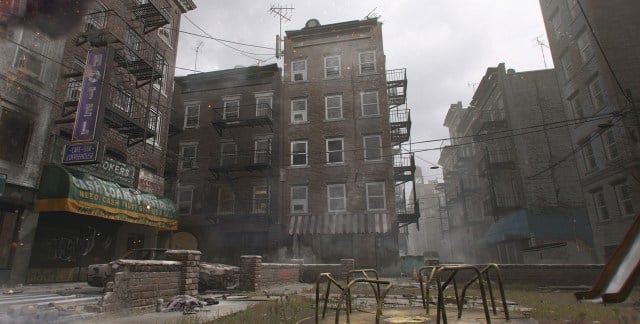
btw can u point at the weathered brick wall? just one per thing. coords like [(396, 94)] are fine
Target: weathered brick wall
[(189, 269), (139, 283), (275, 273)]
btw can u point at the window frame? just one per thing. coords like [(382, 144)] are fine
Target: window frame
[(302, 71), (224, 154), (327, 68), (585, 48), (11, 156), (155, 114), (598, 98), (361, 63), (624, 203), (260, 110), (589, 156), (370, 197), (192, 159), (340, 151), (22, 64), (366, 149), (254, 207), (168, 29), (343, 198), (266, 157), (220, 206), (299, 201), (600, 204), (577, 106), (181, 203), (362, 103), (304, 111), (611, 147), (190, 117), (327, 108), (228, 110), (294, 154)]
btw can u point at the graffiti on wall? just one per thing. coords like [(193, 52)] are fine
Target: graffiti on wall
[(69, 248)]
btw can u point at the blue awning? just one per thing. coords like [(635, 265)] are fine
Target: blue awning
[(515, 225)]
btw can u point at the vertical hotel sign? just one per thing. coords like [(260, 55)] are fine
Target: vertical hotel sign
[(94, 88)]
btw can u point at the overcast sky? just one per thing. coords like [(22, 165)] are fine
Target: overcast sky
[(445, 45)]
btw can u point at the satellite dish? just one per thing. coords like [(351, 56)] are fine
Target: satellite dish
[(312, 23)]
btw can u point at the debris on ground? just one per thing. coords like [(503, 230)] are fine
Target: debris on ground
[(185, 304)]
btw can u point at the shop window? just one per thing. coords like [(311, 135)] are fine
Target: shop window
[(15, 131)]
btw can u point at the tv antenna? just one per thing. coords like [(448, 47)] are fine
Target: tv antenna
[(540, 42), (472, 85), (282, 12), (199, 45), (372, 14)]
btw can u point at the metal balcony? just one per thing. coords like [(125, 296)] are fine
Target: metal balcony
[(400, 125), (500, 204), (490, 121), (396, 87), (242, 116), (408, 213), (245, 161), (129, 118), (404, 167), (496, 161), (149, 12)]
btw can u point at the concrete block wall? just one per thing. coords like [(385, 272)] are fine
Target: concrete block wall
[(139, 283)]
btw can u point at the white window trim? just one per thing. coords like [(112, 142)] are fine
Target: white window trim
[(303, 71), (598, 207), (224, 154), (183, 158), (326, 107), (303, 112), (304, 202), (589, 154), (33, 54), (362, 94), (608, 145), (155, 140), (257, 141), (343, 198), (364, 145), (601, 94), (384, 200), (260, 111), (225, 113), (196, 117), (168, 28), (326, 67), (341, 151), (306, 153), (621, 200)]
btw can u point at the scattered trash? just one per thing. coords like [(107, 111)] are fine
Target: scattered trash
[(11, 292), (185, 304)]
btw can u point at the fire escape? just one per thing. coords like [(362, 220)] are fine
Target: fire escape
[(127, 108), (404, 167)]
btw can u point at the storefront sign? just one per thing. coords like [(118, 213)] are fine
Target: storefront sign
[(81, 153), (94, 88), (149, 182), (111, 169), (3, 181), (82, 193)]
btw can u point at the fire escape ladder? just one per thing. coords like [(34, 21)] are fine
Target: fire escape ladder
[(149, 12), (396, 87)]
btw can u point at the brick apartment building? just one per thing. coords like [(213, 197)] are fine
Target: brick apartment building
[(103, 193), (226, 163), (339, 184), (512, 192), (595, 47)]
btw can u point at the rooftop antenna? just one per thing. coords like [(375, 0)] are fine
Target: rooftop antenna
[(372, 14), (197, 49), (542, 44), (282, 12), (472, 85)]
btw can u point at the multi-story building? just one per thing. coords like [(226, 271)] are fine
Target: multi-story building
[(508, 154), (226, 162), (29, 71), (594, 48), (102, 192), (339, 193)]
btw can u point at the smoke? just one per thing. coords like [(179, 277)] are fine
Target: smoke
[(55, 18)]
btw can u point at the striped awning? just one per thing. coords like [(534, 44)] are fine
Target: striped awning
[(339, 224)]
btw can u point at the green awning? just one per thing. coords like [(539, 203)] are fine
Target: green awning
[(82, 193)]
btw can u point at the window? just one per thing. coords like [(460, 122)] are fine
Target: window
[(263, 106), (574, 9), (333, 106), (163, 69), (567, 65), (584, 46), (134, 45), (610, 145), (28, 63), (589, 157), (367, 62), (123, 101), (185, 200), (166, 32), (73, 90), (298, 111), (231, 109), (299, 70), (598, 96), (226, 200), (228, 154), (191, 115), (335, 150), (372, 148), (188, 156), (375, 196), (369, 101), (96, 19), (260, 199), (262, 151), (577, 107), (625, 200), (15, 130), (154, 123), (299, 153), (299, 196), (332, 66), (336, 197), (601, 205)]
